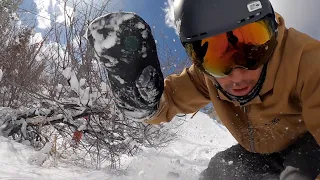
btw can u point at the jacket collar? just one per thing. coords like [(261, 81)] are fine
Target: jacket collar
[(255, 100)]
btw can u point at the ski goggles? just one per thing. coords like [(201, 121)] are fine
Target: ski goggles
[(249, 47)]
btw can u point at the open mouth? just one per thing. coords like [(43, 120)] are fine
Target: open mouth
[(241, 91)]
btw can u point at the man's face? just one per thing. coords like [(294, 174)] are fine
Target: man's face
[(240, 81)]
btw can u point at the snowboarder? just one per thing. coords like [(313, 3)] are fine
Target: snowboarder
[(262, 78)]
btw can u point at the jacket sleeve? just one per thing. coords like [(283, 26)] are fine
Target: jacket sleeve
[(310, 90), (184, 93)]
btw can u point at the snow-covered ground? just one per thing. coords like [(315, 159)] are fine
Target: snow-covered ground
[(198, 140)]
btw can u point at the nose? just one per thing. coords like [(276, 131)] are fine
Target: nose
[(237, 74)]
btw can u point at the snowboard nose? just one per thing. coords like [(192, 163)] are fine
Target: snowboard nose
[(124, 43)]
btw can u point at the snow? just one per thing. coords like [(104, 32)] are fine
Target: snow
[(198, 140), (145, 85), (1, 74), (24, 128), (83, 126), (59, 87), (144, 51), (74, 83), (85, 97), (82, 82), (102, 42), (41, 156), (67, 73), (103, 87), (144, 34), (119, 79), (140, 25), (136, 114)]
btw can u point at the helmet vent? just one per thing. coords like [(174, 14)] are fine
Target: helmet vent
[(190, 37), (201, 34), (241, 21), (204, 33), (249, 17)]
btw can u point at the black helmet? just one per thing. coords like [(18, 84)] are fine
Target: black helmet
[(199, 19)]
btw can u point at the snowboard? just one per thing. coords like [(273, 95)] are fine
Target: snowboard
[(124, 43)]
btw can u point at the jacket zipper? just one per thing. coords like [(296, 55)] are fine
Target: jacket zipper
[(250, 130)]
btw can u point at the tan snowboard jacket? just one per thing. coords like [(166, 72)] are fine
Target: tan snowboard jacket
[(287, 106)]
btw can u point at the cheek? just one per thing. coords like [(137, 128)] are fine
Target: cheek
[(255, 75), (251, 75), (224, 81)]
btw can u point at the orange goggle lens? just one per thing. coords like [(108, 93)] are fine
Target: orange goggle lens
[(249, 47)]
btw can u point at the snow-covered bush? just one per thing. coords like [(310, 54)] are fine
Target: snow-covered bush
[(54, 92)]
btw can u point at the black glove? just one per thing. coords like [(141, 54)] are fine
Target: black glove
[(124, 43)]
